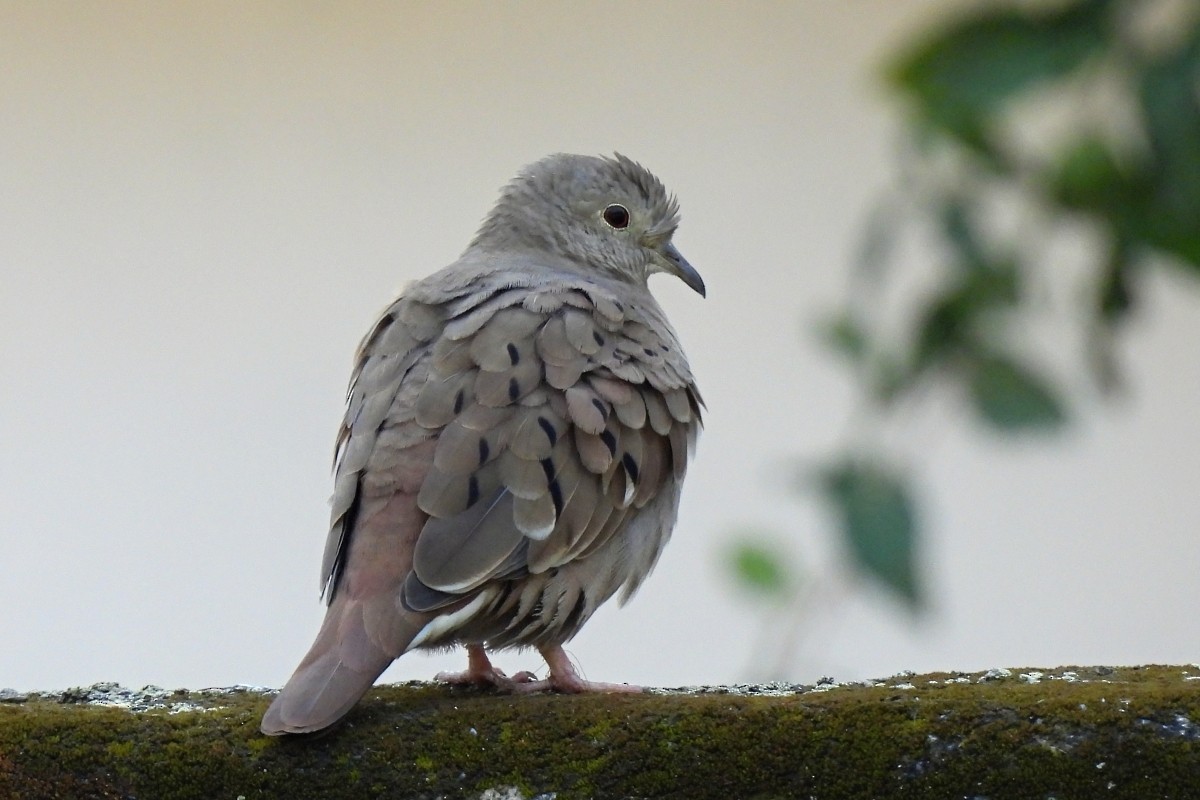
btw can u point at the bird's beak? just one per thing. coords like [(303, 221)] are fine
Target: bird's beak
[(678, 266)]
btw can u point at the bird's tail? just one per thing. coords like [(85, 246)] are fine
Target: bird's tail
[(343, 663)]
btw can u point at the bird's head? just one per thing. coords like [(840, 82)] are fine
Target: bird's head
[(606, 214)]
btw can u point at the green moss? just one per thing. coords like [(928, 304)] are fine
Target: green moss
[(1122, 733)]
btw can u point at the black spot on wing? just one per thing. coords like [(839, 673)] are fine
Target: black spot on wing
[(548, 427), (631, 467), (553, 485)]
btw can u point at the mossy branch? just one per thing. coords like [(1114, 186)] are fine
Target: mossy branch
[(1083, 732)]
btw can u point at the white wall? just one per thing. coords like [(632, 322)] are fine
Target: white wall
[(202, 205)]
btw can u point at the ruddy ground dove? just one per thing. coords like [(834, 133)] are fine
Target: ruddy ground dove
[(516, 434)]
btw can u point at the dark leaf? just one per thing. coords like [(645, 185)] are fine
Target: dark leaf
[(877, 520), (1115, 300), (963, 77), (998, 284), (952, 321), (760, 568), (942, 330), (1088, 178), (1011, 398), (1170, 98), (1116, 291)]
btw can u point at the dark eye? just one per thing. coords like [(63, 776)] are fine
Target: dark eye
[(617, 216)]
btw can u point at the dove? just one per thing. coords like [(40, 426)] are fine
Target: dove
[(515, 439)]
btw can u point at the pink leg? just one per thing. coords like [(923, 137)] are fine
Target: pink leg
[(480, 672), (564, 678)]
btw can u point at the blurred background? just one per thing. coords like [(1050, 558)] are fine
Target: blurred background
[(203, 206)]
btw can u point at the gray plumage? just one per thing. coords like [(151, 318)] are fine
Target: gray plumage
[(517, 429)]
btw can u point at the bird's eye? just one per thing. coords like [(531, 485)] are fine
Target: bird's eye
[(617, 216)]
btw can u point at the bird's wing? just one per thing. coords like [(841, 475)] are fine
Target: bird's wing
[(562, 413), (388, 372)]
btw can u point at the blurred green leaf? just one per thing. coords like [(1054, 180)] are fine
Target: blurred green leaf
[(846, 336), (942, 329), (889, 377), (760, 568), (1088, 178), (1011, 398), (963, 76), (1116, 289), (878, 523), (952, 322), (1170, 99), (1116, 299), (960, 233)]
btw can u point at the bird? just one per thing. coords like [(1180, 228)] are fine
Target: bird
[(517, 429)]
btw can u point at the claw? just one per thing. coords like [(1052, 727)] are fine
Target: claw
[(563, 676)]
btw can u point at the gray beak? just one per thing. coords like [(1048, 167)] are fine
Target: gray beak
[(678, 266)]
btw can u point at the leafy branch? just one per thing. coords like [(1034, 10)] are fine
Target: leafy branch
[(1121, 78)]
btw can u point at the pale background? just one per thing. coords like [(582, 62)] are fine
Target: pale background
[(202, 206)]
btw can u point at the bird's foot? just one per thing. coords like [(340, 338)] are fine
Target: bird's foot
[(565, 678), (481, 672)]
